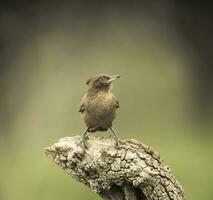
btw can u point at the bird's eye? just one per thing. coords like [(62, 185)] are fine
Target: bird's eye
[(102, 79)]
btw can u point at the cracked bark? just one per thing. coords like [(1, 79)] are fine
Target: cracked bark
[(132, 171)]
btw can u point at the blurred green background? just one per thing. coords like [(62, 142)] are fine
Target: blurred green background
[(49, 49)]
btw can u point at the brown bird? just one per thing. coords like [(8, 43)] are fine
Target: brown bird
[(98, 106)]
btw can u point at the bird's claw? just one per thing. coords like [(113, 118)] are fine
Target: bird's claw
[(81, 143), (116, 141)]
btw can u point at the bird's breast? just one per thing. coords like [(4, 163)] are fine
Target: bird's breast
[(102, 104), (100, 110)]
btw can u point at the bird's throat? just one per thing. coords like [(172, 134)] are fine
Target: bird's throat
[(98, 91)]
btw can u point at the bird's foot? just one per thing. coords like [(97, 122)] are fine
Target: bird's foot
[(115, 137), (116, 141), (82, 143)]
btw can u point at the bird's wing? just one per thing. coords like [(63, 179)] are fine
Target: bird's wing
[(81, 108), (117, 104), (82, 105)]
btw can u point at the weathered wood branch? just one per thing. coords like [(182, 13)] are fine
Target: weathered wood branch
[(133, 171)]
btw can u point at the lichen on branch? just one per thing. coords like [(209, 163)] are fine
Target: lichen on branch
[(132, 171)]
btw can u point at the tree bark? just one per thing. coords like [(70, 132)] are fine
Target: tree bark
[(132, 171)]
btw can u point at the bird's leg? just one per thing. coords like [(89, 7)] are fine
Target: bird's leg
[(82, 141), (115, 136)]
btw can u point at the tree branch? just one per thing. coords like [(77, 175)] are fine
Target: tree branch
[(133, 171)]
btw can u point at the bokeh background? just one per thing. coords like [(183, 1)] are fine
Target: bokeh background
[(48, 49)]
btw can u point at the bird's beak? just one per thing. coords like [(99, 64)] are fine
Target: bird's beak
[(112, 78)]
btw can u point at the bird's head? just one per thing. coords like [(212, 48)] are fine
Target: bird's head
[(101, 82)]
